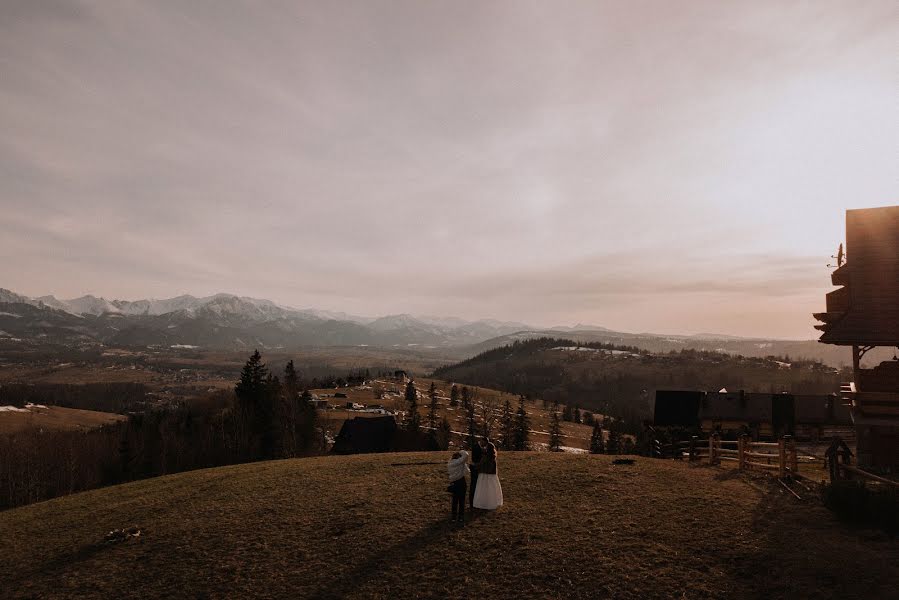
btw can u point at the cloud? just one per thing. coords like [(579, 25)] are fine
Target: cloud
[(500, 159)]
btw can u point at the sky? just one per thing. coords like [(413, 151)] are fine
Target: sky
[(674, 167)]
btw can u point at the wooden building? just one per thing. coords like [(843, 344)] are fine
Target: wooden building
[(863, 313), (810, 417)]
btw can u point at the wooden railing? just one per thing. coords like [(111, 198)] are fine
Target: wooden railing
[(780, 456)]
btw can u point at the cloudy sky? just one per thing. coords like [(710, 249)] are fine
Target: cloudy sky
[(646, 166)]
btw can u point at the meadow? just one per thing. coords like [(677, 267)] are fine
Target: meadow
[(376, 526)]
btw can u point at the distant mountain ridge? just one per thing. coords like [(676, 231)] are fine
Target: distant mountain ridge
[(228, 321)]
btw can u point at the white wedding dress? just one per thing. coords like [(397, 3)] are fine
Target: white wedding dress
[(488, 493)]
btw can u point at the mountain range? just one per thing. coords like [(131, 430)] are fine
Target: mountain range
[(226, 321), (230, 322)]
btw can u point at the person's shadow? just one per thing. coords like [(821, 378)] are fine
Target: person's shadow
[(402, 552)]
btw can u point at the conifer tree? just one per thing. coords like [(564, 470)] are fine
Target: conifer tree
[(613, 445), (444, 432), (307, 437), (576, 414), (413, 420), (555, 433), (472, 420), (251, 386), (507, 427), (432, 407), (454, 396), (466, 397), (255, 405), (291, 380), (522, 427), (597, 443)]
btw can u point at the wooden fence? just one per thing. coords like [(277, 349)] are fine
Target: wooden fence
[(780, 456)]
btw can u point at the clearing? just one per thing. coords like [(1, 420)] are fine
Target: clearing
[(38, 416)]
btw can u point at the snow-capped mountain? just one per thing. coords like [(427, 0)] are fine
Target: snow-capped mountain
[(9, 297), (90, 305), (227, 319), (230, 322)]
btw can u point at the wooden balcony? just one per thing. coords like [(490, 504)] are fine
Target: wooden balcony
[(841, 275), (838, 300), (873, 408)]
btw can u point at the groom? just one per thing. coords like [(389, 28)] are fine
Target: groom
[(477, 454)]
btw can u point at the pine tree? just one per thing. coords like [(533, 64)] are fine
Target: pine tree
[(413, 420), (588, 418), (576, 414), (271, 432), (291, 381), (466, 397), (252, 380), (597, 443), (522, 427), (472, 424), (555, 433), (307, 437), (432, 407), (507, 427), (566, 413), (454, 396), (256, 407), (444, 432), (613, 445)]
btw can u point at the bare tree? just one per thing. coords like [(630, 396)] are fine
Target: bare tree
[(487, 411)]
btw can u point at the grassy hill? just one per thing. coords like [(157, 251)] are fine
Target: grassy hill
[(375, 526), (53, 418)]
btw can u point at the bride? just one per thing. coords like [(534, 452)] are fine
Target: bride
[(488, 494)]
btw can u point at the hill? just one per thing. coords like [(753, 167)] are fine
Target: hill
[(375, 526), (806, 350), (621, 380), (13, 419)]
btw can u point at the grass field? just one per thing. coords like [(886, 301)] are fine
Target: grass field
[(375, 526), (54, 418)]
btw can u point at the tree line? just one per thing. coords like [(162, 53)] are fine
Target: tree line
[(509, 429), (267, 416)]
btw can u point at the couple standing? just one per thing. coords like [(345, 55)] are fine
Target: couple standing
[(485, 492)]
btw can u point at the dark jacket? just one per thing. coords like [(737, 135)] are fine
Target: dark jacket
[(488, 465), (477, 455)]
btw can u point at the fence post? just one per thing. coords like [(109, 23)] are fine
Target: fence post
[(794, 460), (692, 448), (782, 456), (714, 445), (741, 448)]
